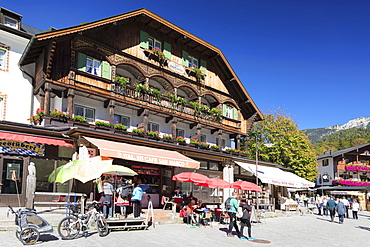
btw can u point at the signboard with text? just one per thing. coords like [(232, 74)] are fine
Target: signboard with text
[(22, 148)]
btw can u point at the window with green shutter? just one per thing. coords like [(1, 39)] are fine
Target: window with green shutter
[(81, 62), (203, 66), (106, 70), (235, 113), (185, 58), (144, 39), (167, 50)]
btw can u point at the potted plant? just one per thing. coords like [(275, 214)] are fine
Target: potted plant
[(58, 114), (194, 142), (119, 126), (167, 137), (140, 89), (215, 148), (172, 98), (156, 93), (181, 102), (180, 140), (204, 145), (102, 123), (122, 82), (37, 118), (215, 114), (198, 73), (197, 108), (159, 53), (243, 152), (153, 134), (138, 132), (79, 118)]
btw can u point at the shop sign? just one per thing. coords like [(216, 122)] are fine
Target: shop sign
[(146, 170), (150, 159), (176, 67), (22, 148)]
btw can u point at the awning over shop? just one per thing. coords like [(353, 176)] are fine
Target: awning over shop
[(36, 139), (274, 175), (142, 154)]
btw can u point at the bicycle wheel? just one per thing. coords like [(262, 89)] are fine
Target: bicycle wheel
[(29, 236), (102, 226), (69, 228)]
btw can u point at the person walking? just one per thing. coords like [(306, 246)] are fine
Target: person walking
[(232, 207), (346, 204), (107, 197), (319, 204), (245, 219), (341, 209), (136, 200), (331, 207), (324, 207), (355, 208)]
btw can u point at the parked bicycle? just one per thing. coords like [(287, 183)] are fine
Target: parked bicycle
[(30, 225), (70, 226)]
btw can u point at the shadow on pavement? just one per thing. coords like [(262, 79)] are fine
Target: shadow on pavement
[(364, 228), (47, 238), (324, 219)]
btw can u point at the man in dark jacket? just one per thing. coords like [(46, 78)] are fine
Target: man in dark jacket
[(331, 207), (245, 219)]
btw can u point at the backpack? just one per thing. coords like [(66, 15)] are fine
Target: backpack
[(227, 204)]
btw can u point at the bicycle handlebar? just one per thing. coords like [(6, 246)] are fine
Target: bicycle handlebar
[(11, 208)]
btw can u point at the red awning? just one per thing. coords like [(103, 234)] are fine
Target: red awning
[(36, 139), (143, 154)]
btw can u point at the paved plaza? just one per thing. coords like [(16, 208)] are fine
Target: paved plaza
[(291, 230)]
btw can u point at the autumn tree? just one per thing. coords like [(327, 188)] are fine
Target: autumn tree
[(291, 147)]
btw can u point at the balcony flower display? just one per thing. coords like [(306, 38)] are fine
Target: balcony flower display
[(167, 137), (138, 131), (351, 183), (36, 119), (232, 150), (119, 126), (357, 167), (194, 142), (57, 113), (215, 147), (204, 145), (102, 123), (158, 52), (153, 133), (198, 73), (180, 139), (79, 119)]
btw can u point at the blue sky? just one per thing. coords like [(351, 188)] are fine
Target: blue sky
[(310, 58)]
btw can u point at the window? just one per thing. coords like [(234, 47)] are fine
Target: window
[(153, 43), (153, 127), (203, 165), (229, 112), (122, 120), (10, 22), (193, 62), (325, 162), (180, 132), (88, 113), (203, 138), (3, 58), (2, 106), (93, 66)]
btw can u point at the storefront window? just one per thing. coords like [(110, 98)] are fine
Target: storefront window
[(213, 166), (65, 152), (43, 170), (203, 165)]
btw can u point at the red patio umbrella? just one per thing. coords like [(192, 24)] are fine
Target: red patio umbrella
[(215, 183), (244, 185), (191, 177)]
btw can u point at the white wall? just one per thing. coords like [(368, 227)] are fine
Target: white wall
[(13, 83), (325, 169)]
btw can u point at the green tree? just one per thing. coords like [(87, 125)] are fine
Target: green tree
[(291, 147)]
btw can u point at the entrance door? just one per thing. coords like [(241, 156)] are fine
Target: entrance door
[(12, 176)]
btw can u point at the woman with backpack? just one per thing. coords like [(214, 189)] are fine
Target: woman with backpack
[(245, 219)]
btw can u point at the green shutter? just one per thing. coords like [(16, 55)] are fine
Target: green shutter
[(224, 110), (235, 113), (203, 66), (144, 39), (81, 62), (105, 70), (185, 59), (167, 50)]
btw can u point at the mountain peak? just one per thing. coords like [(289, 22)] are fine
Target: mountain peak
[(361, 122)]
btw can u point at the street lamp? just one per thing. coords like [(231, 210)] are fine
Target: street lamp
[(267, 145)]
